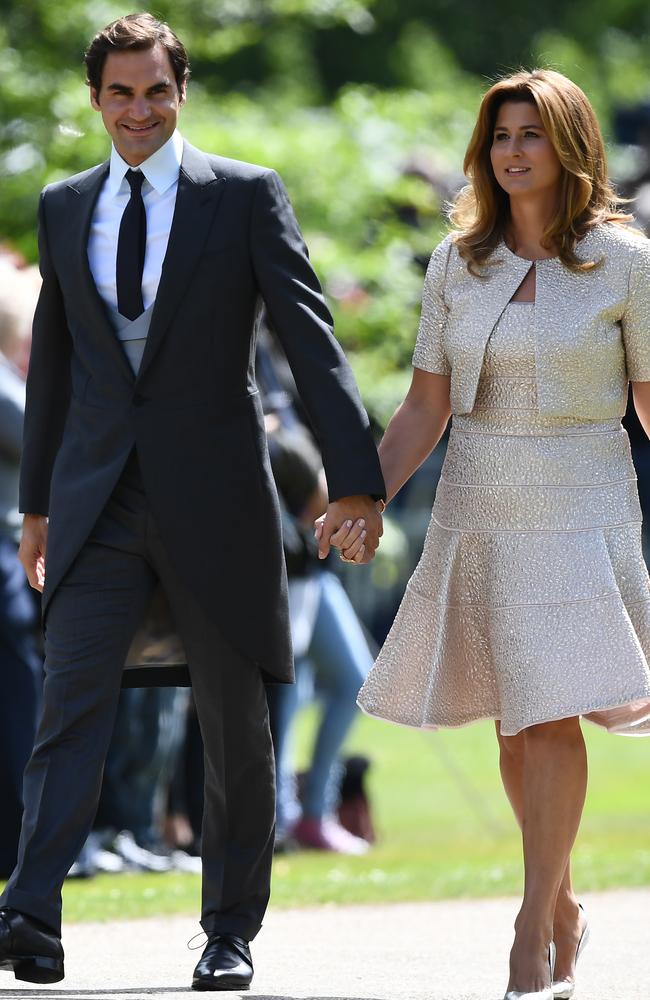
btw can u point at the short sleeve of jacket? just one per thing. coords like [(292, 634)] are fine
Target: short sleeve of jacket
[(635, 323), (429, 352)]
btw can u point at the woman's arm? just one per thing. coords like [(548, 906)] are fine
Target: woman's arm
[(418, 424), (641, 396), (413, 432), (415, 428)]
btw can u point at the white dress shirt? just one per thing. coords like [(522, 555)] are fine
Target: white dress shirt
[(159, 195)]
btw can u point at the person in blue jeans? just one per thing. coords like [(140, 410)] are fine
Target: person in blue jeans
[(331, 653)]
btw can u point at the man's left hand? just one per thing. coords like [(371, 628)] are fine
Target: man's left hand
[(353, 525)]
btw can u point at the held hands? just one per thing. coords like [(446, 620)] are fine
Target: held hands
[(353, 525), (31, 551)]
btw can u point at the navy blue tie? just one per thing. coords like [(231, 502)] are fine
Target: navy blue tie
[(131, 245)]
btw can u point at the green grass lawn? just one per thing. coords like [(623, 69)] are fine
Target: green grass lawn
[(445, 830)]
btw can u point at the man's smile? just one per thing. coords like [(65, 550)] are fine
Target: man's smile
[(141, 129)]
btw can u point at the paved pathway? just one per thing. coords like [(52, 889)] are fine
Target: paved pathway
[(411, 951)]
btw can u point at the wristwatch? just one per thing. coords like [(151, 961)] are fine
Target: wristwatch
[(381, 505)]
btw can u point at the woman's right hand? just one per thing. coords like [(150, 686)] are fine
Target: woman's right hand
[(349, 539)]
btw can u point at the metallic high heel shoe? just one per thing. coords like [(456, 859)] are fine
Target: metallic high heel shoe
[(563, 989), (546, 993)]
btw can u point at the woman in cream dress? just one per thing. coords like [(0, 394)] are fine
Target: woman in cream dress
[(531, 602)]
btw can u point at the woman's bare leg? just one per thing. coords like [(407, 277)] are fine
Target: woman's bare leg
[(561, 809)]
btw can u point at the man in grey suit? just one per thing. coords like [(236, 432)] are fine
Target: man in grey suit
[(145, 460)]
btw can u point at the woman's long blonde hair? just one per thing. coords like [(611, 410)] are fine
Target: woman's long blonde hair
[(481, 212)]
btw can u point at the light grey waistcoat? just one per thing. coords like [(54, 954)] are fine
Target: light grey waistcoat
[(133, 334)]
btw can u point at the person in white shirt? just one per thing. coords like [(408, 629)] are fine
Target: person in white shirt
[(145, 462)]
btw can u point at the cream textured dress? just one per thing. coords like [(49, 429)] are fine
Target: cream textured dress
[(531, 601)]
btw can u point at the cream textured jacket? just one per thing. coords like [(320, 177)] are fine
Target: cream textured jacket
[(592, 329)]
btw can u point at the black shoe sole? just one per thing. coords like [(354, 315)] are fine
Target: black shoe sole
[(34, 968), (220, 984)]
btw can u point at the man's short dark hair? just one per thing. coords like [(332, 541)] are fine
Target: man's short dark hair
[(135, 33)]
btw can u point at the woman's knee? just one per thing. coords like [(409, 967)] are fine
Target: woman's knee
[(561, 730), (510, 746)]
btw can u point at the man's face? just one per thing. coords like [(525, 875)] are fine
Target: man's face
[(139, 102)]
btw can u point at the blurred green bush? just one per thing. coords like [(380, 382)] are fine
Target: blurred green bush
[(364, 107)]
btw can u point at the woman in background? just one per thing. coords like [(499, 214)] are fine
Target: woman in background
[(531, 602)]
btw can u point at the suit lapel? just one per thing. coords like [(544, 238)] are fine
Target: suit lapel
[(83, 196), (199, 193)]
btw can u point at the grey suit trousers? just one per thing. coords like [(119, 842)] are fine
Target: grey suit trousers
[(90, 623)]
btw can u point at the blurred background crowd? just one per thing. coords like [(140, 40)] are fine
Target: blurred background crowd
[(364, 107)]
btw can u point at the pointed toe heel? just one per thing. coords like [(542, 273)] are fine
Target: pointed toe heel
[(563, 989), (546, 993)]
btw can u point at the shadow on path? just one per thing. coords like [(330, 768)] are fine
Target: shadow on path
[(146, 991)]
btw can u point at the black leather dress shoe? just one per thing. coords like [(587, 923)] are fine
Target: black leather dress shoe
[(34, 953), (226, 964)]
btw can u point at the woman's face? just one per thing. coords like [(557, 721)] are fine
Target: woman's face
[(523, 158)]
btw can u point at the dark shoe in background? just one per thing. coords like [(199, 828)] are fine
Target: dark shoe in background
[(226, 964), (326, 834), (349, 830), (354, 812), (27, 947)]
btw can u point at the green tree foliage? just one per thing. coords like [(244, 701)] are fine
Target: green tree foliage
[(364, 106)]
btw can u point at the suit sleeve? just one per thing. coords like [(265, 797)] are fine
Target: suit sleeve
[(635, 324), (48, 384), (429, 353), (301, 319)]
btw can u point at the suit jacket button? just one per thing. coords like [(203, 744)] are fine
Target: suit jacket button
[(138, 399)]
